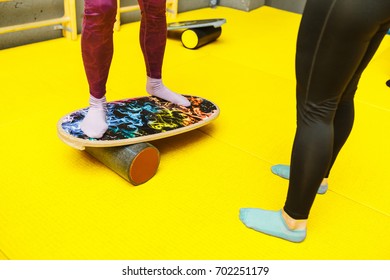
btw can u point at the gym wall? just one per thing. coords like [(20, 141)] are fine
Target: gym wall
[(24, 11)]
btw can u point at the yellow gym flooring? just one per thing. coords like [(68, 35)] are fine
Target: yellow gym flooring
[(60, 203)]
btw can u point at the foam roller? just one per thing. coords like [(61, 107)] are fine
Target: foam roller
[(136, 163), (196, 37)]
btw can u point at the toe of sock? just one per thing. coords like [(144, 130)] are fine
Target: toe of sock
[(322, 189), (281, 170), (94, 124), (271, 223), (185, 103), (94, 132)]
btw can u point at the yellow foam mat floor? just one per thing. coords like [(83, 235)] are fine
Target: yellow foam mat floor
[(60, 203)]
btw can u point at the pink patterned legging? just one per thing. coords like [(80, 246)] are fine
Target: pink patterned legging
[(97, 40)]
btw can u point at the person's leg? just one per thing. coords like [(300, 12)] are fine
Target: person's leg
[(334, 39), (97, 51), (335, 44), (344, 117), (153, 37)]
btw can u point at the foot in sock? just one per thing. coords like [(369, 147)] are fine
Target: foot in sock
[(271, 223), (94, 124), (155, 87), (283, 171)]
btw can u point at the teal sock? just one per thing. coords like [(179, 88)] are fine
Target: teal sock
[(271, 223), (322, 189), (283, 171)]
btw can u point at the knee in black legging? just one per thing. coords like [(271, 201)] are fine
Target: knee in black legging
[(317, 112)]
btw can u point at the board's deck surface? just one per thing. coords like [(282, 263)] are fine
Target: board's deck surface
[(138, 120)]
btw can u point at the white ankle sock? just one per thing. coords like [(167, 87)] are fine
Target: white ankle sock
[(155, 87), (94, 124)]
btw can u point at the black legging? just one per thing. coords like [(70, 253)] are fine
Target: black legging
[(336, 41)]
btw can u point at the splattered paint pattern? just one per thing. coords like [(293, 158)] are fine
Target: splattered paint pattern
[(137, 117)]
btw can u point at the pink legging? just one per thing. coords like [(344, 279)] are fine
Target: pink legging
[(97, 40)]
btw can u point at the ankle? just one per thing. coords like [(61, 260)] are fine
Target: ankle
[(292, 223), (97, 103), (153, 81)]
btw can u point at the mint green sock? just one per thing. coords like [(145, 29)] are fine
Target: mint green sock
[(283, 171), (271, 223)]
